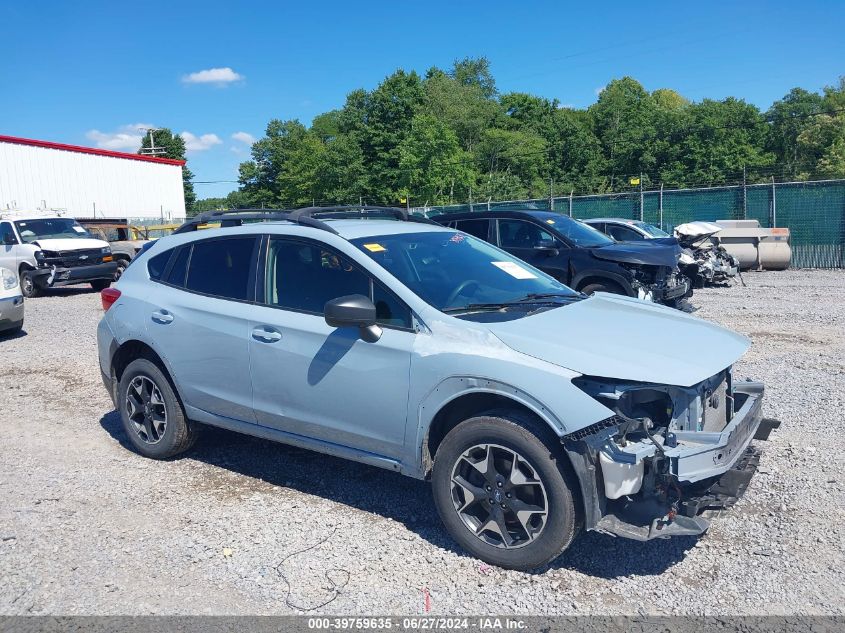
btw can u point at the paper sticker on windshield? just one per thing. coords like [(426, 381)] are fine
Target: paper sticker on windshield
[(550, 221), (375, 248), (515, 270), (79, 229)]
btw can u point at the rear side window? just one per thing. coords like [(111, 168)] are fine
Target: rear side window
[(477, 228), (222, 267), (157, 264)]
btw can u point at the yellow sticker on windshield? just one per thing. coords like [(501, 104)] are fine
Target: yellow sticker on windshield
[(375, 248)]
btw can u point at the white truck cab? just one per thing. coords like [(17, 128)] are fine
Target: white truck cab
[(48, 251)]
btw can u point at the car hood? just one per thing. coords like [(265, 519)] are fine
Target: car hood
[(646, 252), (69, 244), (611, 336), (697, 230)]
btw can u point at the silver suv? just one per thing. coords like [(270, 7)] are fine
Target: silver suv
[(369, 334)]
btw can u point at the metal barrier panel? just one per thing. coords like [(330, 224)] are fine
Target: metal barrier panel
[(813, 211)]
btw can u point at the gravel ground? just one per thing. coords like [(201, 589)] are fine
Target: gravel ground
[(243, 526)]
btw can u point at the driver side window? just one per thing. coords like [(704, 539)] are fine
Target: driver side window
[(623, 233), (522, 234), (7, 234), (303, 276)]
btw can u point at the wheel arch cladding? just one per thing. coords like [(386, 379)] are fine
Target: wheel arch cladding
[(132, 350), (600, 277)]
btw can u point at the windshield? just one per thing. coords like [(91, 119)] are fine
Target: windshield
[(651, 229), (451, 270), (50, 228), (578, 233)]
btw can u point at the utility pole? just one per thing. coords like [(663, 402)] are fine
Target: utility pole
[(152, 150), (774, 204), (642, 199), (660, 205)]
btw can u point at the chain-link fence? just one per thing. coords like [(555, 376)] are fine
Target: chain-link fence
[(814, 212)]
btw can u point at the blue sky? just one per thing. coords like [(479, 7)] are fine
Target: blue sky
[(90, 73)]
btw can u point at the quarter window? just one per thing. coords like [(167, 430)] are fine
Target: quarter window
[(157, 264), (221, 267), (176, 276)]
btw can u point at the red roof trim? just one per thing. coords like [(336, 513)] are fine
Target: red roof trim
[(88, 150)]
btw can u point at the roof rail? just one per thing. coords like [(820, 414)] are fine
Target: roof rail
[(304, 216), (235, 217)]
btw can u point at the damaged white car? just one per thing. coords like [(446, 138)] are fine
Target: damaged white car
[(715, 264)]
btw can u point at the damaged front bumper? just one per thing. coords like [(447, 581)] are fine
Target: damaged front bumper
[(57, 276), (656, 489)]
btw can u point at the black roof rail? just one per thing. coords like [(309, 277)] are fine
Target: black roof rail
[(304, 216), (236, 217)]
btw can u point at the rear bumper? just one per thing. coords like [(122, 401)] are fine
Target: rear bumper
[(11, 312), (55, 276)]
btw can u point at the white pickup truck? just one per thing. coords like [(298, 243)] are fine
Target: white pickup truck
[(52, 251)]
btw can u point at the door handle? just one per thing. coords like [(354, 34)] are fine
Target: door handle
[(162, 316), (266, 335)]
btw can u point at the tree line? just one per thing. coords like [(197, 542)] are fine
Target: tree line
[(450, 136)]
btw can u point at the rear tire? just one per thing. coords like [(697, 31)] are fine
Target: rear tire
[(152, 415), (603, 286), (100, 284), (533, 538)]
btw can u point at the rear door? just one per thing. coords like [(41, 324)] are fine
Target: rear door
[(321, 382), (535, 245), (199, 320)]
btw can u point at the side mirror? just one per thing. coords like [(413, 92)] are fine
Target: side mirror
[(9, 239), (548, 247), (354, 311)]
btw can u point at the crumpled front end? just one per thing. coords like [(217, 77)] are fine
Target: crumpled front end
[(668, 455)]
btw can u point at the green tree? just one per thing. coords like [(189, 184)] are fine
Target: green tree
[(624, 120), (789, 118), (174, 147), (435, 167)]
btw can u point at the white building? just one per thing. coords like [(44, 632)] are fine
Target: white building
[(89, 182)]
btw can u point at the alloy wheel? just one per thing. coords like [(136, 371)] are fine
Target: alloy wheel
[(146, 409), (499, 496)]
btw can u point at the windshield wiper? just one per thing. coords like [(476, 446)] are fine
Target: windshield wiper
[(534, 297)]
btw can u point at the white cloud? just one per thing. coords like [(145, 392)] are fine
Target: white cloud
[(216, 76), (201, 143), (125, 138), (244, 137), (598, 90)]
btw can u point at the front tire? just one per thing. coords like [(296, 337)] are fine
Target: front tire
[(29, 288), (603, 286), (151, 412), (502, 492)]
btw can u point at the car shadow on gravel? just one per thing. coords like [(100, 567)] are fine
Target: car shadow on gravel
[(403, 499)]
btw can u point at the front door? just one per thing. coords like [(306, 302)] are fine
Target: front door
[(8, 251), (322, 382)]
